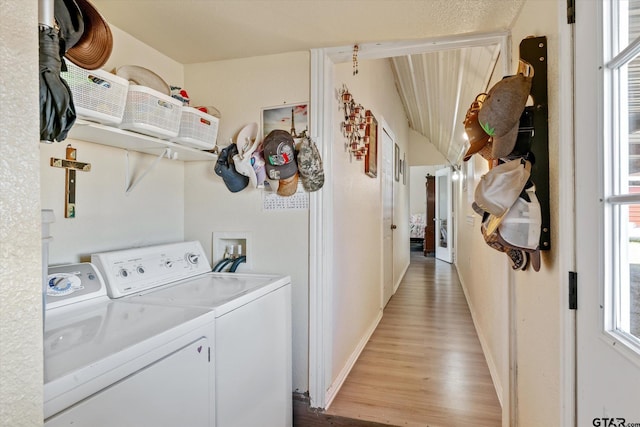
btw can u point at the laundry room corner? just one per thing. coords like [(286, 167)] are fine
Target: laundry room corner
[(240, 89)]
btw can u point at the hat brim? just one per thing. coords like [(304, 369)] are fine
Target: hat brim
[(475, 147), (499, 188), (68, 16), (94, 48), (247, 140), (534, 256), (144, 77), (503, 145), (494, 221), (243, 166), (289, 186), (496, 241), (281, 171)]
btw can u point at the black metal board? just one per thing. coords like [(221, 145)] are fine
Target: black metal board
[(534, 51)]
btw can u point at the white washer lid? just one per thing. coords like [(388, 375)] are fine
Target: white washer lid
[(90, 348), (222, 292)]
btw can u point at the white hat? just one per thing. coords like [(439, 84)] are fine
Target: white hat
[(243, 166), (518, 232), (499, 188), (522, 225), (247, 140)]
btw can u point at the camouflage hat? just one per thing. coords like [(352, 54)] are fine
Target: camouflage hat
[(310, 165)]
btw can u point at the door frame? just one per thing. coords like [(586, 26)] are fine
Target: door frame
[(566, 223), (450, 225), (322, 95), (384, 127), (596, 340)]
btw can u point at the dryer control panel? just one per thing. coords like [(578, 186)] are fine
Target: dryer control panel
[(72, 283), (132, 271)]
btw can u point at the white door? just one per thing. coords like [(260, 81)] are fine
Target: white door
[(443, 215), (387, 215), (607, 111)]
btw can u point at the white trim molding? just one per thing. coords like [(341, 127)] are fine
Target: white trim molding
[(342, 376)]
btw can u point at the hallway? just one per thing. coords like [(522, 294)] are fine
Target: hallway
[(423, 366)]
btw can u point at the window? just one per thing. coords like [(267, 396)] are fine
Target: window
[(621, 158)]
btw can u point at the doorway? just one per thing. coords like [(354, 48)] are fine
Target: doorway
[(444, 217), (322, 291), (388, 226), (607, 344)]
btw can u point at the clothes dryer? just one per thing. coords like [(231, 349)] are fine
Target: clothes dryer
[(252, 351), (110, 363)]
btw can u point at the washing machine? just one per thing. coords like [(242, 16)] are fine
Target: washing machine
[(252, 347), (108, 363)]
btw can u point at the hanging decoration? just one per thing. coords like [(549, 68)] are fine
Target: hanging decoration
[(354, 126), (355, 59)]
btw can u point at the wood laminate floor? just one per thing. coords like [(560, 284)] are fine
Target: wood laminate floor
[(423, 365)]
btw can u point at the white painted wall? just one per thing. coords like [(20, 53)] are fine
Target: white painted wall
[(539, 312), (483, 273), (128, 50), (107, 218), (418, 194), (278, 239), (358, 214), (20, 239), (422, 151), (486, 275)]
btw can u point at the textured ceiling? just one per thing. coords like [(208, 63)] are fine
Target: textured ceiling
[(191, 31), (436, 88)]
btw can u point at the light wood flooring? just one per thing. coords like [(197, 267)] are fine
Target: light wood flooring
[(423, 365)]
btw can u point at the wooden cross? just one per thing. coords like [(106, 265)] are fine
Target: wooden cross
[(71, 166)]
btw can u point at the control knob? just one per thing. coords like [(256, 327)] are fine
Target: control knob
[(193, 258)]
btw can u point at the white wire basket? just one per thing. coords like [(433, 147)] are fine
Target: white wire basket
[(197, 129), (98, 95), (151, 113)]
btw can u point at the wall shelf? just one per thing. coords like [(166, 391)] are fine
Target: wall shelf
[(114, 137)]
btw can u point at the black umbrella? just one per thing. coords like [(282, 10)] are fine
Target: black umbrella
[(57, 112)]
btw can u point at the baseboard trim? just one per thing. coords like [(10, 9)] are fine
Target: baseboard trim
[(493, 370), (342, 376), (404, 272)]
